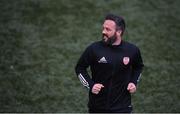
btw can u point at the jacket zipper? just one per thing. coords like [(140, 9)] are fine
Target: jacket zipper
[(110, 84)]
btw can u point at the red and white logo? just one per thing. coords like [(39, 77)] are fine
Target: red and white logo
[(126, 60)]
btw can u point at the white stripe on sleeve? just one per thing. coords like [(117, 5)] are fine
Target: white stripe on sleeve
[(139, 78), (83, 81)]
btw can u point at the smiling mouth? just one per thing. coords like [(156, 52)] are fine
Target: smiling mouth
[(105, 36)]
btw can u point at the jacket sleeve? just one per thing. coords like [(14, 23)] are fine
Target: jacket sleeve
[(83, 63), (137, 67)]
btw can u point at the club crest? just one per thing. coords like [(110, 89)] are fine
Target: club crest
[(126, 60)]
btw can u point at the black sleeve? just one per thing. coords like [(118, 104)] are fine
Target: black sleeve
[(83, 63), (137, 67)]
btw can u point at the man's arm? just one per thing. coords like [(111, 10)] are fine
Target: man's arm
[(137, 67), (83, 63)]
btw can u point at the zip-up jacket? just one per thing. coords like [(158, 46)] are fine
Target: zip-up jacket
[(114, 67)]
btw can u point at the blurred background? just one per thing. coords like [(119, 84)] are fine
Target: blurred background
[(41, 41)]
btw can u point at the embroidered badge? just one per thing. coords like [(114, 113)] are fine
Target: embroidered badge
[(126, 60)]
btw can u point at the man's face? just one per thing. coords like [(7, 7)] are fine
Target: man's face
[(109, 32)]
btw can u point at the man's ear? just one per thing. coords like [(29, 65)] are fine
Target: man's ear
[(118, 32)]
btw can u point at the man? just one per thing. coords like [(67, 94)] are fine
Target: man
[(116, 67)]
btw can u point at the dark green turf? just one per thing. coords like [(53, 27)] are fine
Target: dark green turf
[(41, 41)]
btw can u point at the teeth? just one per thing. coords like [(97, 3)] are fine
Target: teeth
[(105, 37)]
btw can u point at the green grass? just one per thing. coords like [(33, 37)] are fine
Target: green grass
[(41, 41)]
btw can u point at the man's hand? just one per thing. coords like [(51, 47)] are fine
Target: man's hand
[(97, 88), (131, 87)]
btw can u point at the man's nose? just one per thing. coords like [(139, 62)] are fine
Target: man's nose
[(103, 32)]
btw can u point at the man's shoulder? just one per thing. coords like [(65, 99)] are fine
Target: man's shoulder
[(130, 45)]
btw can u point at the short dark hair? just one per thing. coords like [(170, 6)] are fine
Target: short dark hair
[(120, 23)]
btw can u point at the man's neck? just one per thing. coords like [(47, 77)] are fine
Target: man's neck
[(118, 41)]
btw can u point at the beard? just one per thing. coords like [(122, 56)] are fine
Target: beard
[(109, 40)]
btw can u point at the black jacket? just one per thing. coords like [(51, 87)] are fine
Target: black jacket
[(114, 67)]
